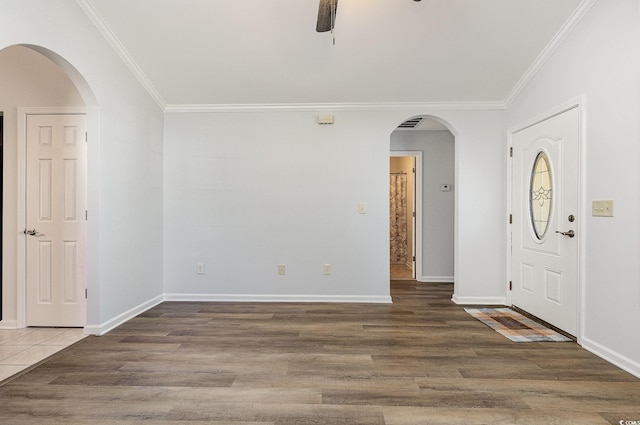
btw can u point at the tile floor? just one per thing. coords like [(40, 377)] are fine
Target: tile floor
[(400, 272), (21, 348)]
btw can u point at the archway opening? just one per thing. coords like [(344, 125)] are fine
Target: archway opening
[(35, 78), (423, 150)]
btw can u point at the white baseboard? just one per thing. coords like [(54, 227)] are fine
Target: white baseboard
[(120, 319), (436, 279), (623, 362), (130, 314), (8, 324), (279, 298), (479, 300)]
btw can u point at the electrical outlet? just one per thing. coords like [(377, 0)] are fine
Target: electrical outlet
[(326, 269), (200, 268), (282, 269)]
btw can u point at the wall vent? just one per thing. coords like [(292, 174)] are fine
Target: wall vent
[(412, 123)]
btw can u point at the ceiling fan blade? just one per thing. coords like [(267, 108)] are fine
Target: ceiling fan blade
[(326, 15)]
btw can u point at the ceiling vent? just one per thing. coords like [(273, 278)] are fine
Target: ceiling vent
[(412, 123)]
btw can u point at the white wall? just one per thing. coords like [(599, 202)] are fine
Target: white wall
[(124, 157), (600, 61), (26, 79), (437, 207), (245, 191), (295, 201)]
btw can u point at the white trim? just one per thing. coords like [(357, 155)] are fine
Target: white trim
[(417, 155), (265, 298), (122, 318), (549, 49), (548, 114), (305, 107), (121, 51), (21, 258), (509, 188), (623, 362), (479, 300), (8, 324), (437, 279)]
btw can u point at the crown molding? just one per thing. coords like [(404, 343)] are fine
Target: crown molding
[(334, 107), (549, 49), (120, 50), (531, 72)]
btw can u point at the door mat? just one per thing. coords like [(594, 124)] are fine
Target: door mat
[(515, 326)]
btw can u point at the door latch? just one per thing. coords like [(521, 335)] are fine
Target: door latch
[(569, 233)]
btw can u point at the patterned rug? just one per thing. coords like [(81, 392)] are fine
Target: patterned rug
[(515, 326)]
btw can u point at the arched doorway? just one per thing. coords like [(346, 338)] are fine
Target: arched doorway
[(37, 78), (427, 142)]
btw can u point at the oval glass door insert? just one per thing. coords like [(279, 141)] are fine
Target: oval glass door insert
[(541, 195)]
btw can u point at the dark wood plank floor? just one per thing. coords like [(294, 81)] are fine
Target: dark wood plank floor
[(422, 360)]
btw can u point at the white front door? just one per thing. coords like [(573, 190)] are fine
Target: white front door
[(545, 249), (55, 219)]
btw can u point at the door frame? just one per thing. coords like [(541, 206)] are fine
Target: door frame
[(417, 199), (21, 254), (582, 208)]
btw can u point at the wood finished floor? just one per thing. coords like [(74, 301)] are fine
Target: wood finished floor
[(422, 360)]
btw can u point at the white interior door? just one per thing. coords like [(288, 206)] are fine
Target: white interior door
[(55, 219), (545, 249)]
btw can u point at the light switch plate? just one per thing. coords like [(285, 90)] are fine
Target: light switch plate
[(602, 208)]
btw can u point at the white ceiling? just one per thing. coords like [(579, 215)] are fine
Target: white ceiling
[(229, 52)]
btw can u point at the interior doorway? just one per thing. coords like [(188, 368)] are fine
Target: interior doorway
[(1, 206), (432, 146), (35, 76), (403, 215), (55, 210)]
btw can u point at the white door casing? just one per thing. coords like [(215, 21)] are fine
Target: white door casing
[(417, 208), (545, 263), (55, 186), (414, 213)]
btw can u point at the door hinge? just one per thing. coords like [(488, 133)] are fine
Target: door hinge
[(510, 285), (510, 218), (86, 136), (85, 293), (414, 170), (86, 215), (414, 258), (414, 214), (511, 152)]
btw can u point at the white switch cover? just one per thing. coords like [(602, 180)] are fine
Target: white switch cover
[(200, 268), (362, 208), (282, 269), (602, 208), (326, 269)]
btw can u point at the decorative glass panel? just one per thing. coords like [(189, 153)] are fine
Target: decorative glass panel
[(541, 195)]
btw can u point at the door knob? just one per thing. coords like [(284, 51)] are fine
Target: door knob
[(569, 233), (32, 232)]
